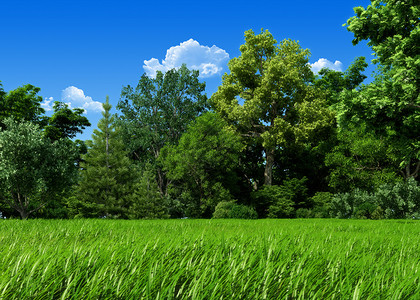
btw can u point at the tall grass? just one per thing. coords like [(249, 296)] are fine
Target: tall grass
[(209, 259)]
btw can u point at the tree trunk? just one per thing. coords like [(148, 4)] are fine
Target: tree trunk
[(269, 162), (23, 214), (407, 173)]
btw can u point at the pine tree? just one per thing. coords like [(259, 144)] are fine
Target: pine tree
[(107, 175), (147, 201)]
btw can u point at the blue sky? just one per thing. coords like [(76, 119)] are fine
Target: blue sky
[(80, 51)]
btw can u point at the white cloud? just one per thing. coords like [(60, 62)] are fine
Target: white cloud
[(46, 104), (75, 97), (325, 63), (208, 60)]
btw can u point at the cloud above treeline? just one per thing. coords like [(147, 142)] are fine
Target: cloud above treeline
[(74, 98), (325, 63), (208, 60)]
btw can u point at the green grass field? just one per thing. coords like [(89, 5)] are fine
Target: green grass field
[(209, 259)]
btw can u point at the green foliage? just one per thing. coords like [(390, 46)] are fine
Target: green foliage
[(279, 103), (32, 169), (281, 201), (23, 103), (147, 202), (157, 112), (273, 202), (333, 82), (231, 210), (360, 160), (401, 200), (65, 122), (391, 201), (356, 204), (321, 203), (202, 165), (107, 175), (391, 104), (320, 206)]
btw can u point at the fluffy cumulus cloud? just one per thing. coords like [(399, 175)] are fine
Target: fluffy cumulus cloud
[(47, 103), (325, 63), (75, 97), (208, 60)]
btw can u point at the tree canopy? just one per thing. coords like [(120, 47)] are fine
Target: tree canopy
[(268, 94), (32, 169)]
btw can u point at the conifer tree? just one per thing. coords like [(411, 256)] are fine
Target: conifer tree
[(147, 201), (107, 175)]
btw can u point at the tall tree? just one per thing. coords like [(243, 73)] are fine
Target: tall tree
[(23, 103), (32, 169), (107, 176), (202, 165), (65, 122), (158, 111), (334, 82), (280, 104), (390, 106)]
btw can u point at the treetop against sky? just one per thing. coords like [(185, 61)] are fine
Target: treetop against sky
[(80, 51)]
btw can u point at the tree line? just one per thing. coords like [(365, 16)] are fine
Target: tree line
[(275, 140)]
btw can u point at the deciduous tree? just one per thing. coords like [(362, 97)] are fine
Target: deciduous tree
[(390, 106), (65, 122), (32, 169), (158, 111), (268, 95), (23, 103), (202, 165)]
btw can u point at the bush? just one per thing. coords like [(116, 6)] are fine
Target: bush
[(389, 201), (275, 201), (231, 210), (321, 203), (401, 200), (282, 208), (304, 213), (356, 204)]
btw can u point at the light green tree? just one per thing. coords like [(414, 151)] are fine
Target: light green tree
[(107, 175), (268, 95), (23, 103), (32, 168), (390, 106)]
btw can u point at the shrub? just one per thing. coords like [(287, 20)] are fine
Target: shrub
[(401, 200), (240, 211), (274, 201), (356, 204), (282, 208), (231, 210), (389, 201), (321, 203), (304, 213)]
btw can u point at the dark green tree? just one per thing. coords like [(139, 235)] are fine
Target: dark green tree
[(147, 202), (158, 111), (23, 103), (65, 122), (202, 166), (32, 169), (360, 160), (107, 175), (333, 82)]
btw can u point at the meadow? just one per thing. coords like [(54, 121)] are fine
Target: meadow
[(209, 259)]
